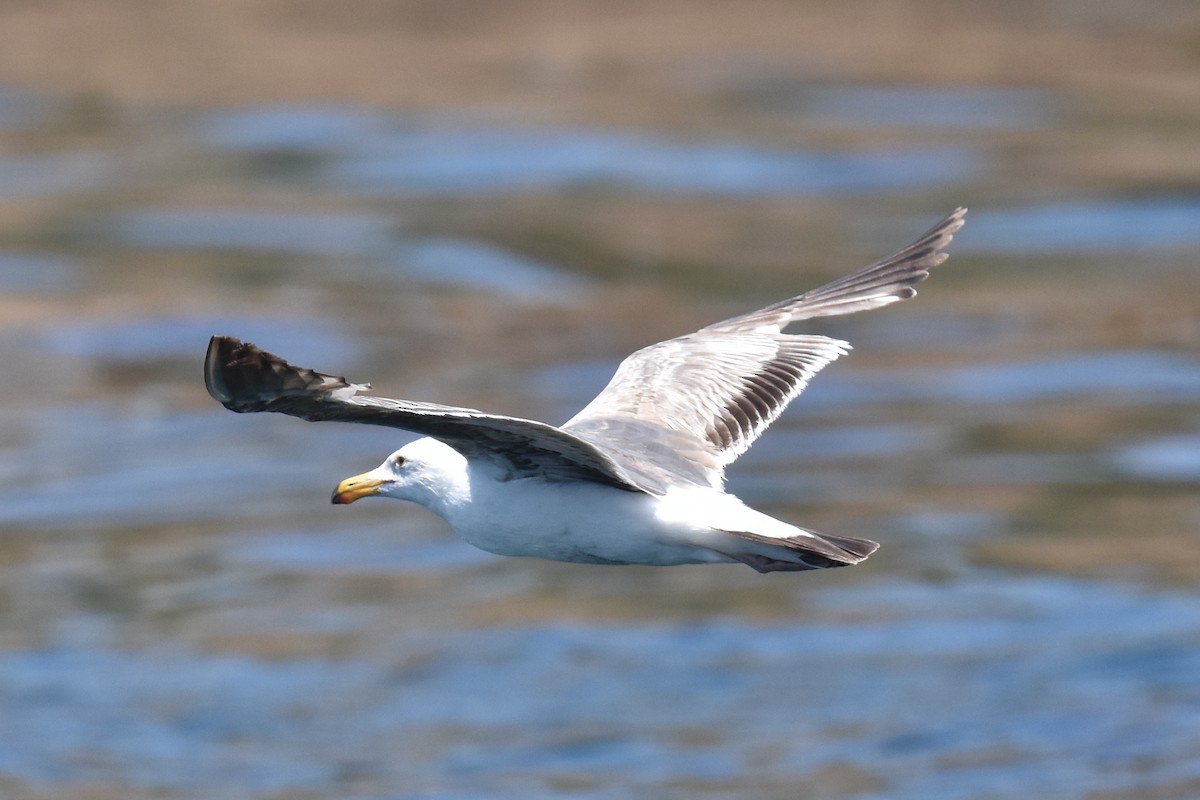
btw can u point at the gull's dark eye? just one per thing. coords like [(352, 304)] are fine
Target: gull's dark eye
[(397, 461)]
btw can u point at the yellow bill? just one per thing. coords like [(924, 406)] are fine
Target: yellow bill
[(356, 488)]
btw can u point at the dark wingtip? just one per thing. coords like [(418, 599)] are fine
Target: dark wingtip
[(929, 247), (955, 220), (220, 348), (243, 377)]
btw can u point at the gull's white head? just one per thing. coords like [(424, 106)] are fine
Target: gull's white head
[(425, 471)]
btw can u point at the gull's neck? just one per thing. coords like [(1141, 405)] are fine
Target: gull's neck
[(444, 482)]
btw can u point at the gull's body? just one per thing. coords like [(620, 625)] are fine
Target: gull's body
[(579, 521), (637, 476)]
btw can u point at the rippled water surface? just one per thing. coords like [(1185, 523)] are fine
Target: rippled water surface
[(184, 615)]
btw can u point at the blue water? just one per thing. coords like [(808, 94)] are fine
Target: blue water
[(322, 234), (414, 155), (1121, 376), (25, 271), (1013, 681), (184, 614), (489, 160), (1164, 458), (1088, 226), (25, 109), (176, 337), (484, 267), (32, 176)]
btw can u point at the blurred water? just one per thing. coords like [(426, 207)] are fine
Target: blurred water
[(483, 267), (322, 234), (1089, 226), (1168, 458), (134, 339), (40, 175), (998, 676), (365, 151), (37, 272), (22, 109), (458, 160), (183, 614), (930, 107)]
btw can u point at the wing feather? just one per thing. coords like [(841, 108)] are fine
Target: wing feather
[(888, 280), (244, 378), (713, 392), (679, 411)]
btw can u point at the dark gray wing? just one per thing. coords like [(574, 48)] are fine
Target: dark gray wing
[(886, 281), (688, 407), (244, 378)]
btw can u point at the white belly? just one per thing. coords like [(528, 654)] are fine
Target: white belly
[(584, 523)]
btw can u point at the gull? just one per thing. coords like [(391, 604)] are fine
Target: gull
[(637, 476)]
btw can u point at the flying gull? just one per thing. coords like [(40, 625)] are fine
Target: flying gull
[(637, 476)]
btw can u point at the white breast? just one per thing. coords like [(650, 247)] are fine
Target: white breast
[(580, 522)]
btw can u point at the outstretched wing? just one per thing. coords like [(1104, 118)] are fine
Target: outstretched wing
[(710, 394), (244, 378)]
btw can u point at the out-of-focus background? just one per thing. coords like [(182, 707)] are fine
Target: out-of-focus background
[(490, 204)]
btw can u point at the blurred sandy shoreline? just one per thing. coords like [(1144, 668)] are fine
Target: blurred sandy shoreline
[(662, 65)]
